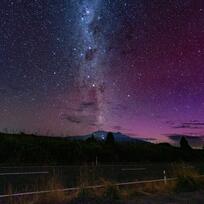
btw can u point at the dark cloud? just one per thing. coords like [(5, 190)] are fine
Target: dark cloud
[(88, 104), (194, 140), (147, 139), (72, 119), (92, 124), (89, 120), (90, 54), (170, 122), (177, 137), (83, 114), (186, 126), (193, 124), (117, 127)]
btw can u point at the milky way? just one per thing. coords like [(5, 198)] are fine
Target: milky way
[(76, 66), (90, 50)]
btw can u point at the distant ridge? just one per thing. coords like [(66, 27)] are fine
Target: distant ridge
[(101, 135)]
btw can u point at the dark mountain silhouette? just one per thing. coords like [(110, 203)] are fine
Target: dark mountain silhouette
[(101, 136)]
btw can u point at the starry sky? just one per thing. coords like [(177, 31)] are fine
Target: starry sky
[(71, 67)]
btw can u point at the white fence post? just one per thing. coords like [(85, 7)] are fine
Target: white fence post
[(165, 180)]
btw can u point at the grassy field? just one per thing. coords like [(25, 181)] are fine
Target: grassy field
[(18, 179), (188, 179)]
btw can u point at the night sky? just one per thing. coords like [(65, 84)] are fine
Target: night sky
[(71, 67)]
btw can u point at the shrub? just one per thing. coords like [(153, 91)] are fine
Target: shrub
[(54, 196), (187, 178), (111, 191), (84, 193)]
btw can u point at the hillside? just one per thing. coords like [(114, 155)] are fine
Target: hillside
[(31, 149)]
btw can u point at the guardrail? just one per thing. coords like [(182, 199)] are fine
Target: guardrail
[(86, 187)]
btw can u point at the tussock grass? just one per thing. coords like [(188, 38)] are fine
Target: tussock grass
[(147, 189), (110, 191), (84, 193), (187, 178), (54, 197)]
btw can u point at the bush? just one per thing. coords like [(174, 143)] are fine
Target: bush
[(52, 197), (187, 178), (84, 193), (111, 191)]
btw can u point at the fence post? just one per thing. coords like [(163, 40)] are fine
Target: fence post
[(164, 172)]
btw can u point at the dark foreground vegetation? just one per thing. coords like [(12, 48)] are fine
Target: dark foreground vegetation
[(18, 149), (187, 188)]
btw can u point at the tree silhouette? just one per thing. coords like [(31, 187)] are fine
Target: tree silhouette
[(184, 144), (110, 139)]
